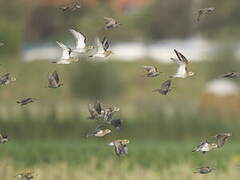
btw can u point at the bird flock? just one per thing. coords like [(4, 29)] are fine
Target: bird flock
[(105, 115)]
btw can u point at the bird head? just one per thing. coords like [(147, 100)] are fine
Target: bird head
[(191, 73), (13, 79)]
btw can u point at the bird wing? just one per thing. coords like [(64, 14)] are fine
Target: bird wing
[(92, 110), (150, 69), (109, 21), (1, 44), (97, 107), (100, 48), (51, 80), (56, 77), (80, 39), (5, 75), (166, 84), (181, 57), (182, 69), (65, 50), (105, 44)]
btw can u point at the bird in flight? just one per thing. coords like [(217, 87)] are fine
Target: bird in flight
[(120, 146), (152, 71), (165, 87), (76, 4), (53, 80), (66, 57), (204, 11), (204, 147), (95, 110), (25, 176), (3, 139), (26, 101), (99, 131), (231, 75), (222, 138), (103, 48), (204, 170), (111, 23), (182, 62), (6, 79), (80, 42)]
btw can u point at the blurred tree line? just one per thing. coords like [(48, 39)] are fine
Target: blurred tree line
[(21, 21)]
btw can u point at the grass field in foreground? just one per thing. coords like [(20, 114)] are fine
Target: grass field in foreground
[(94, 160), (154, 154)]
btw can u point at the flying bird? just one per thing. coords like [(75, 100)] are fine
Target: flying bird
[(204, 170), (222, 138), (231, 75), (25, 176), (6, 79), (3, 139), (120, 146), (108, 113), (152, 71), (111, 23), (26, 101), (116, 123), (66, 57), (99, 131), (165, 87), (103, 48), (95, 111), (204, 11), (204, 147), (74, 6), (182, 62), (53, 80), (80, 42)]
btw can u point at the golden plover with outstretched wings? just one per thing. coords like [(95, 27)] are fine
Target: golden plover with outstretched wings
[(80, 42), (103, 48), (182, 62)]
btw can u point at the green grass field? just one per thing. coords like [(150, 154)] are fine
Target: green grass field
[(90, 159), (147, 154)]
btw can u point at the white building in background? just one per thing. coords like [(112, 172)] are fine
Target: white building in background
[(193, 48), (222, 87)]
